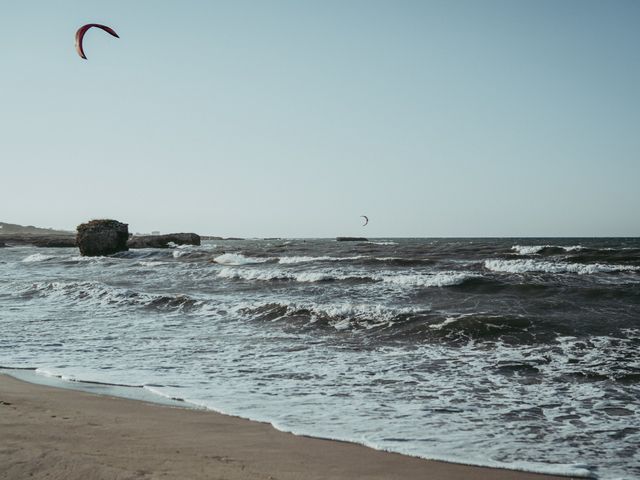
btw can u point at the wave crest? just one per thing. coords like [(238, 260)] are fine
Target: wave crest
[(38, 257), (268, 275), (346, 316), (548, 249), (96, 293), (238, 259), (532, 266), (305, 259), (432, 279)]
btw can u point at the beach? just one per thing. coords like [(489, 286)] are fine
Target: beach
[(57, 433)]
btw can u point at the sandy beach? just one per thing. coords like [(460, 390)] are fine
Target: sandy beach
[(57, 433)]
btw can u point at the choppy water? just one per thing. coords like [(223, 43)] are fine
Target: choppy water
[(521, 353)]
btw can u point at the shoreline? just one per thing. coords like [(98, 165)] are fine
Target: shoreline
[(71, 433)]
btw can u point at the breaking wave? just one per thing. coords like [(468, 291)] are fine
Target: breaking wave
[(537, 249), (527, 266), (238, 259), (435, 279), (337, 316), (152, 263), (305, 259), (191, 251), (394, 324), (38, 257), (96, 293), (268, 275)]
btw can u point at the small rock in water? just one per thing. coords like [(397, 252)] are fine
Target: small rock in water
[(102, 237)]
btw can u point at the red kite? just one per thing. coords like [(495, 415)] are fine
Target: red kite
[(82, 30)]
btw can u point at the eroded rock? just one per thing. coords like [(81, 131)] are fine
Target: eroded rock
[(102, 237)]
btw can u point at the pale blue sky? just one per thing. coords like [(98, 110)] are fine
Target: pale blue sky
[(292, 118)]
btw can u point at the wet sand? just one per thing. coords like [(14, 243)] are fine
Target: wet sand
[(55, 433)]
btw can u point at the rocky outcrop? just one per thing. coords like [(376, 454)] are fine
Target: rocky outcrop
[(102, 237), (351, 239), (15, 229), (164, 241), (39, 240)]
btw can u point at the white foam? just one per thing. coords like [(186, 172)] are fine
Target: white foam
[(80, 258), (152, 263), (181, 250), (37, 257), (204, 246), (51, 374), (238, 259), (99, 294), (528, 249), (526, 266), (437, 279), (247, 274), (450, 320), (164, 393), (304, 259), (340, 316), (92, 292), (535, 249), (378, 314)]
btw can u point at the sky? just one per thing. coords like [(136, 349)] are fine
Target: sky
[(291, 119)]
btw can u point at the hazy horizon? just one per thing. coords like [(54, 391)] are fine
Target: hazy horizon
[(227, 236), (281, 119)]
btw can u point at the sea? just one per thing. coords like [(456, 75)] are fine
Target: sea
[(520, 353)]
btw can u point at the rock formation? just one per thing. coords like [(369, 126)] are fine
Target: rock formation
[(12, 234), (39, 240), (102, 237), (351, 239), (163, 241), (15, 229)]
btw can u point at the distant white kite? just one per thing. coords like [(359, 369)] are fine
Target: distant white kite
[(366, 220)]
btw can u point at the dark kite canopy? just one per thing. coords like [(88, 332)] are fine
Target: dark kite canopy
[(82, 30)]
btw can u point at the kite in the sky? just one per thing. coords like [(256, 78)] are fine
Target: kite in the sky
[(366, 220), (82, 30)]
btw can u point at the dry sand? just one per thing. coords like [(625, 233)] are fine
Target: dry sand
[(61, 434)]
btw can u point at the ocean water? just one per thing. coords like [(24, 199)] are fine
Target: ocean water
[(521, 353)]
